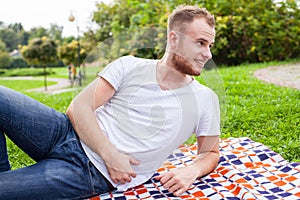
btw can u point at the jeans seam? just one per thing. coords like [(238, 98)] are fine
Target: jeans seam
[(91, 185), (25, 135), (11, 123)]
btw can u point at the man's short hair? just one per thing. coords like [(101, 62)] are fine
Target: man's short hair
[(186, 14)]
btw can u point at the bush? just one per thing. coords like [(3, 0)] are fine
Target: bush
[(5, 60), (18, 63), (258, 31)]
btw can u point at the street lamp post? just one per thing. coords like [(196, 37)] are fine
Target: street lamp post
[(72, 19)]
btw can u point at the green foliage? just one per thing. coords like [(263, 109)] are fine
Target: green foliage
[(40, 51), (18, 63), (247, 31), (38, 32), (68, 52), (55, 32), (5, 60), (2, 46), (14, 35), (132, 27), (10, 38), (257, 31)]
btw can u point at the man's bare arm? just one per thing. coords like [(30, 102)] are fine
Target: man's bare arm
[(179, 180), (81, 112)]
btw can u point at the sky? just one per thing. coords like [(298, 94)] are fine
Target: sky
[(36, 13)]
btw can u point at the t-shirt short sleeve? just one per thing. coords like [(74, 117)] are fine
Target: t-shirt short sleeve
[(115, 71), (209, 123)]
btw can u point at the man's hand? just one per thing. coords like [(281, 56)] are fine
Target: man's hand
[(119, 168), (178, 180)]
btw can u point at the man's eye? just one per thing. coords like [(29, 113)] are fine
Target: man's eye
[(200, 43)]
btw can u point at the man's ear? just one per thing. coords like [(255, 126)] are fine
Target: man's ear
[(173, 39)]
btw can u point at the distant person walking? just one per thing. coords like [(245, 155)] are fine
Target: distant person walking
[(73, 74), (70, 72)]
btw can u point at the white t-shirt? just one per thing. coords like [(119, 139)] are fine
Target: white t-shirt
[(148, 123)]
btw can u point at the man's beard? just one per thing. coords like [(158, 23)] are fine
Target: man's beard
[(184, 66)]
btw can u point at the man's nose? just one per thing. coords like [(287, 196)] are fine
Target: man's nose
[(207, 53)]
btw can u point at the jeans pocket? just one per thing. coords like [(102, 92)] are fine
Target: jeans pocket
[(98, 182)]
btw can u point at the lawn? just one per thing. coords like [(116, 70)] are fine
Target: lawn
[(23, 85), (250, 108)]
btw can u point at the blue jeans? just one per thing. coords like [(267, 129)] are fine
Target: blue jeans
[(62, 169)]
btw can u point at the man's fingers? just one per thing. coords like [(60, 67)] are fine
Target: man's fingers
[(134, 161), (169, 185), (127, 178), (132, 174), (122, 179), (158, 177), (165, 178), (115, 180), (179, 192)]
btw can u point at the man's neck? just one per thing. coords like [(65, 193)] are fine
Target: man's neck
[(168, 77)]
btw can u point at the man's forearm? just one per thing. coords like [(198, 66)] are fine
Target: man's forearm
[(205, 163), (85, 124)]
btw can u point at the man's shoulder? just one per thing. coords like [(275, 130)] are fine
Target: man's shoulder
[(131, 63), (134, 59), (200, 89)]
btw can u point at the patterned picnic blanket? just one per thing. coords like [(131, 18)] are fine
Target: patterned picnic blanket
[(247, 170)]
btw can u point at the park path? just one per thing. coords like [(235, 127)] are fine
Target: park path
[(62, 84), (282, 75)]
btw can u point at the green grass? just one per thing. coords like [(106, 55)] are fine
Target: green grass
[(25, 72), (261, 111), (23, 85), (250, 108)]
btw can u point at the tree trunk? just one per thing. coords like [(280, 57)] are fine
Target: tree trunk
[(45, 78)]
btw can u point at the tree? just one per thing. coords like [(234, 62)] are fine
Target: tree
[(55, 32), (10, 38), (40, 51), (23, 37), (38, 32), (127, 24), (17, 27), (2, 46), (68, 52), (72, 54), (5, 60), (13, 35)]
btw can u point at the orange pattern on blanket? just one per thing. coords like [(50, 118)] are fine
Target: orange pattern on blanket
[(247, 170)]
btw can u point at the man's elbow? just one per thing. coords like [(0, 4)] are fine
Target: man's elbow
[(217, 156), (69, 111)]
